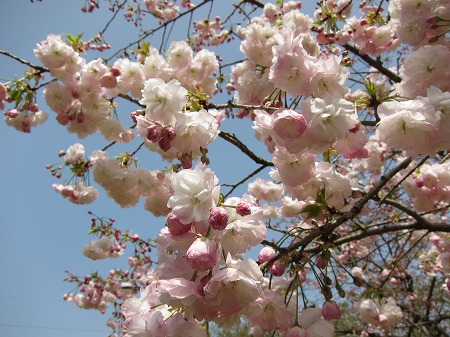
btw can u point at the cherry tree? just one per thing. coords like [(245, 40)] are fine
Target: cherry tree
[(341, 229)]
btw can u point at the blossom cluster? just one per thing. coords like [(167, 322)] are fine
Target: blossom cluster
[(330, 143)]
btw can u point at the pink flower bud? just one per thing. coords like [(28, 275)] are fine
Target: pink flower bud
[(164, 144), (115, 71), (186, 160), (175, 226), (331, 310), (420, 183), (243, 209), (108, 81), (3, 92), (169, 133), (154, 133), (266, 254), (202, 254), (321, 262), (12, 113), (218, 218), (278, 268)]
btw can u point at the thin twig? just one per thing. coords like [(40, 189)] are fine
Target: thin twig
[(38, 68)]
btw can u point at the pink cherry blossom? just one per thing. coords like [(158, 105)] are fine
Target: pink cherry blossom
[(195, 192), (202, 254)]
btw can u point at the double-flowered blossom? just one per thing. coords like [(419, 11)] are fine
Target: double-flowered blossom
[(163, 101), (194, 193), (429, 186), (384, 314), (235, 287), (410, 18), (62, 61), (292, 67), (78, 193), (242, 232), (105, 247), (408, 125)]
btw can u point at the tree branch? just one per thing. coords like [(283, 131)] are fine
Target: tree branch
[(14, 57), (431, 227), (241, 146), (373, 63), (164, 25), (329, 227)]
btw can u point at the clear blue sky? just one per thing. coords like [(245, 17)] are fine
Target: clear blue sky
[(42, 234)]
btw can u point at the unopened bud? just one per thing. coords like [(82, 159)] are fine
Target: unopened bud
[(331, 310), (278, 268), (243, 209), (218, 218), (175, 226), (154, 133)]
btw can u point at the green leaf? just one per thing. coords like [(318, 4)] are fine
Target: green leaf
[(313, 210)]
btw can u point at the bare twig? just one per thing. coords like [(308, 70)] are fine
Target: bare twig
[(14, 57), (374, 63), (241, 146)]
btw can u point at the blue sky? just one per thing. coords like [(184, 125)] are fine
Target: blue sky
[(42, 234)]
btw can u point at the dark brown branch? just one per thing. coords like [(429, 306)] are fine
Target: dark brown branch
[(241, 146), (14, 57), (232, 105), (254, 2), (329, 227), (432, 227), (164, 25), (234, 186), (112, 18), (374, 63), (416, 216)]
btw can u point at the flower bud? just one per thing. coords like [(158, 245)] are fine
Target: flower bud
[(243, 209), (154, 132), (331, 310), (218, 218), (108, 81), (202, 254), (266, 254), (176, 227), (321, 262), (278, 268)]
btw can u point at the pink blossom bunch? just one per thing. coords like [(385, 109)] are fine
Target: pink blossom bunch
[(210, 33), (411, 20), (62, 61), (103, 248), (441, 242), (420, 71), (78, 193), (23, 120), (372, 39), (349, 188), (422, 119), (429, 186), (385, 314), (164, 10), (265, 190), (126, 185)]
